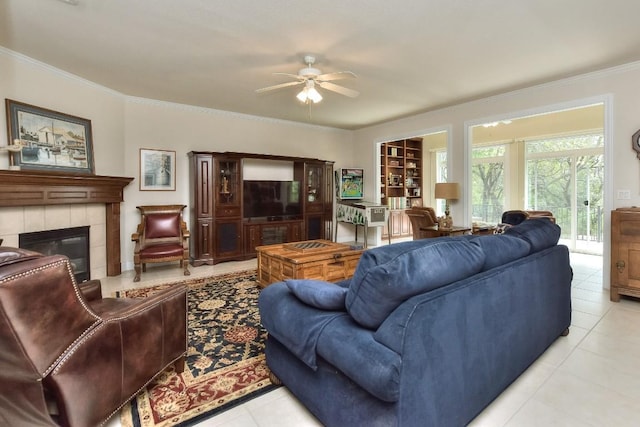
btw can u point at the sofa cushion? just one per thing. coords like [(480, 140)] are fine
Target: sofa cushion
[(388, 275), (499, 249), (317, 293), (540, 233)]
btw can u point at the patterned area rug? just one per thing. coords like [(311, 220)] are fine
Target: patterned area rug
[(225, 359)]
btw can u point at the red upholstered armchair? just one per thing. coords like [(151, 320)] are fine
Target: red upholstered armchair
[(70, 357), (161, 236)]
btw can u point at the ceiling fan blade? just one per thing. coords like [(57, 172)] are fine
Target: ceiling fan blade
[(336, 76), (295, 76), (281, 85), (339, 89)]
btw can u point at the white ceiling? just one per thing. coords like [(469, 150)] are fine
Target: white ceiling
[(410, 55)]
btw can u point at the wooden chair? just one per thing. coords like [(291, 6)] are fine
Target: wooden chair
[(161, 236), (421, 217)]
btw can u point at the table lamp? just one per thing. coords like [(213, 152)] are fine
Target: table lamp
[(447, 191)]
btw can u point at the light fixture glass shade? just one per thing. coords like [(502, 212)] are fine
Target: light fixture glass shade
[(314, 95), (302, 96), (447, 190), (309, 93)]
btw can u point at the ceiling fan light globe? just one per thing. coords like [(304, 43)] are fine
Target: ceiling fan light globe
[(302, 96), (314, 95)]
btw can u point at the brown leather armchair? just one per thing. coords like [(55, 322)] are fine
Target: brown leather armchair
[(161, 236), (80, 357), (515, 217), (421, 217)]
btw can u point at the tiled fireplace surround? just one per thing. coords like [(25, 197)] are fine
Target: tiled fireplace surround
[(26, 219), (36, 201)]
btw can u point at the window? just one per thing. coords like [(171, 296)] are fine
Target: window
[(487, 181)]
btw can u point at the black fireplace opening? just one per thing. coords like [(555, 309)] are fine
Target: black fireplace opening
[(72, 242)]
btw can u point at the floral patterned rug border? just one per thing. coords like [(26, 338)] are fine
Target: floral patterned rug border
[(225, 360)]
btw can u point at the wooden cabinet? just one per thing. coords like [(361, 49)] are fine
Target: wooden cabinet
[(260, 234), (218, 230), (401, 172), (201, 168), (317, 179), (399, 224), (625, 253)]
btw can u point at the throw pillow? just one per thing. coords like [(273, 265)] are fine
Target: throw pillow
[(319, 294), (540, 233)]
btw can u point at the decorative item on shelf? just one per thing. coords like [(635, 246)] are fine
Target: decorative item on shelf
[(447, 191), (12, 149), (445, 223), (225, 185), (394, 163), (635, 143), (412, 165)]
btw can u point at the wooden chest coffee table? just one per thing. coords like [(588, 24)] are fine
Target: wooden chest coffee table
[(311, 259)]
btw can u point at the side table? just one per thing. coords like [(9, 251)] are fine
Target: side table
[(431, 232)]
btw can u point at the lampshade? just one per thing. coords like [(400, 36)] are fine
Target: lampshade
[(309, 93), (447, 190)]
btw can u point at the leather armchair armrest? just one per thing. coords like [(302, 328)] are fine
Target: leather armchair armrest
[(91, 290), (124, 339)]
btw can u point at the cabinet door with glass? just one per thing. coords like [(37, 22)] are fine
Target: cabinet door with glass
[(228, 185), (314, 187)]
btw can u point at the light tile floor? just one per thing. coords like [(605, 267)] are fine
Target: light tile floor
[(589, 378)]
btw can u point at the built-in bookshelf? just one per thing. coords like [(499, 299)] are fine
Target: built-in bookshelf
[(401, 181)]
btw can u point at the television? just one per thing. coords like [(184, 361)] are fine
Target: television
[(271, 200)]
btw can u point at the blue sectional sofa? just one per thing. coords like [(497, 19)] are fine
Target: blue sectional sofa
[(426, 333)]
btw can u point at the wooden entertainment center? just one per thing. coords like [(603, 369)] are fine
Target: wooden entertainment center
[(219, 229)]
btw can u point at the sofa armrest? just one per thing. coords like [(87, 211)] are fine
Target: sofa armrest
[(295, 324)]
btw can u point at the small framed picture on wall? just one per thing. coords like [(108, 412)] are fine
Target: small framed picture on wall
[(157, 170)]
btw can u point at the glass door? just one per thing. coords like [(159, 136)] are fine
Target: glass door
[(570, 186)]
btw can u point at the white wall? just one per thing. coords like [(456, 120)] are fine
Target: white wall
[(619, 87), (620, 83), (25, 80), (122, 125), (152, 124)]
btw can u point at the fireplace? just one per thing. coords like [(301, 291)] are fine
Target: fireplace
[(24, 189), (72, 242)]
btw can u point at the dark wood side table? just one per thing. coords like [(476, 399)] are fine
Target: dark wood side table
[(430, 232), (490, 229)]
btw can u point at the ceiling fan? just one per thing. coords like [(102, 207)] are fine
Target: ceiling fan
[(311, 77)]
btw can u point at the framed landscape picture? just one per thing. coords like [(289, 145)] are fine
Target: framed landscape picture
[(157, 170), (49, 140)]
